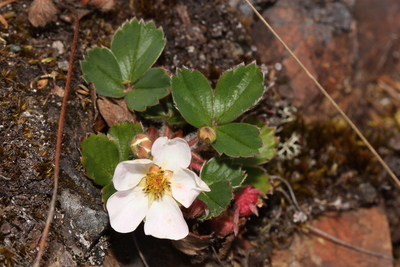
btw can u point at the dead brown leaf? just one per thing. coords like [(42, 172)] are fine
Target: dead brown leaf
[(114, 111), (103, 5), (193, 244), (41, 12)]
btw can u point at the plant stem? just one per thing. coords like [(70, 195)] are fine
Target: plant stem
[(197, 157), (195, 166), (58, 145)]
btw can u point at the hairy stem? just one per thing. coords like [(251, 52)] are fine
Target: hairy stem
[(198, 158), (58, 144)]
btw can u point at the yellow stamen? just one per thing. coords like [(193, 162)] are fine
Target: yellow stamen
[(157, 183)]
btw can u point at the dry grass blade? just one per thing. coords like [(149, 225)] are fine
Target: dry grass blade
[(341, 112)]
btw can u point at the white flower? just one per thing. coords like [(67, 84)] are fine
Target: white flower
[(151, 190)]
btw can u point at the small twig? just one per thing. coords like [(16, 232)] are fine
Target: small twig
[(216, 255), (385, 54), (58, 145), (139, 251), (4, 177), (268, 226), (340, 242), (341, 112), (324, 234), (274, 177)]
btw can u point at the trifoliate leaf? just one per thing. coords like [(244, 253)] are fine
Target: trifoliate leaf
[(237, 90), (258, 178), (237, 139), (99, 158), (221, 176), (137, 46), (122, 134), (101, 67), (152, 86), (193, 97), (267, 151)]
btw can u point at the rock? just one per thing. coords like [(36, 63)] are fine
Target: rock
[(321, 35), (5, 228), (58, 47), (15, 48), (368, 194), (378, 42), (84, 223), (60, 256), (364, 228), (63, 65)]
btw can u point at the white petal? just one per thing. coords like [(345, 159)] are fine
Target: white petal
[(202, 185), (165, 220), (171, 154), (128, 174), (127, 209), (186, 186)]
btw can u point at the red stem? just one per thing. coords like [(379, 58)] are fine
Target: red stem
[(197, 157), (58, 145), (152, 133), (193, 141), (196, 166), (167, 131)]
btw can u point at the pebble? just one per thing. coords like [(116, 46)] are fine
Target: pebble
[(5, 228)]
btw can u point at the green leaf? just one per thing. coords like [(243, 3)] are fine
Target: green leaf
[(237, 90), (257, 177), (217, 169), (101, 67), (217, 199), (152, 86), (123, 134), (221, 176), (267, 151), (237, 139), (137, 46), (107, 191), (193, 97), (164, 111), (99, 158)]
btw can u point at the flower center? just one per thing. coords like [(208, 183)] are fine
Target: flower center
[(157, 183)]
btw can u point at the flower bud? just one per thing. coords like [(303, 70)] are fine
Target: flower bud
[(247, 201), (141, 146), (207, 134)]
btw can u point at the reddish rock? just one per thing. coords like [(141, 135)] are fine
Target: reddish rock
[(320, 34), (378, 35), (365, 228)]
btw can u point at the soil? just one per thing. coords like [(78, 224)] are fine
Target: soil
[(211, 36)]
